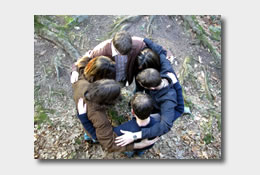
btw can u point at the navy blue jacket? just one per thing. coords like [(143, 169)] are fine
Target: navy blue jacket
[(169, 100), (132, 126)]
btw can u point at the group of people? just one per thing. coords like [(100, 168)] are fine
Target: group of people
[(97, 79)]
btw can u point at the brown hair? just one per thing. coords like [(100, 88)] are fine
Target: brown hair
[(149, 78), (99, 68), (142, 105), (103, 92), (122, 42), (148, 59)]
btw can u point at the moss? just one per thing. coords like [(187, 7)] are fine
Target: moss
[(37, 24), (208, 137), (78, 140), (41, 114), (215, 32)]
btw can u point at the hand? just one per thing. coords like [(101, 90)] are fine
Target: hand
[(82, 108), (171, 59), (124, 139), (145, 142), (173, 77), (74, 77)]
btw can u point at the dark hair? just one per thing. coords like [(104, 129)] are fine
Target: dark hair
[(99, 68), (122, 42), (142, 105), (103, 92), (149, 78), (148, 59)]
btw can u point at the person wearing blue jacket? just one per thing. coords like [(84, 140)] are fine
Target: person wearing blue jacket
[(141, 108)]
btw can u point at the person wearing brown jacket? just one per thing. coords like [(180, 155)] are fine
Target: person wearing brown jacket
[(123, 49)]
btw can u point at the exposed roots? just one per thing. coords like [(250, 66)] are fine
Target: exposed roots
[(201, 35), (48, 32), (148, 29), (118, 25)]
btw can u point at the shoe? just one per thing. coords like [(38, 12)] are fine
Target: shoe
[(140, 153), (129, 154), (86, 137), (89, 139)]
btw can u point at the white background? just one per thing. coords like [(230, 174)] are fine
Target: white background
[(240, 86)]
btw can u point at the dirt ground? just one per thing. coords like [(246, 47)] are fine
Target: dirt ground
[(58, 133)]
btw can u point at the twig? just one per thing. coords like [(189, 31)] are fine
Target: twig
[(148, 30), (209, 95)]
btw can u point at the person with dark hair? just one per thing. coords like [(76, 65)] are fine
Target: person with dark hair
[(122, 49), (141, 107), (98, 97), (162, 89), (148, 59)]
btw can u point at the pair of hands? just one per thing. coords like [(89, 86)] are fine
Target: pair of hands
[(128, 138)]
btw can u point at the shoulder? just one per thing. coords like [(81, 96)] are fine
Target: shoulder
[(104, 44), (137, 41)]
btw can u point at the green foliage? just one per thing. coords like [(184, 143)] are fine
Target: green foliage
[(215, 32), (37, 24), (40, 115), (78, 140), (208, 138), (117, 119), (217, 117)]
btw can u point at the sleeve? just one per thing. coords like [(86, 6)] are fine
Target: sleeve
[(105, 134), (100, 49), (179, 109), (87, 124), (167, 119), (165, 64)]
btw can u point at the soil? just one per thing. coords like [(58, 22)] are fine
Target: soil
[(58, 133)]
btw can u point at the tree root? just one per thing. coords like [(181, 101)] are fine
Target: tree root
[(201, 35), (118, 25), (148, 29), (61, 42), (208, 93), (47, 31)]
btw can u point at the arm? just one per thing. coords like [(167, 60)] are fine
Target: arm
[(105, 134), (179, 109), (165, 63), (160, 128), (180, 102), (88, 126), (167, 119), (78, 68)]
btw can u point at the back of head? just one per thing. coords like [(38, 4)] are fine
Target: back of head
[(122, 42), (142, 105), (103, 92), (148, 59), (149, 78), (100, 68)]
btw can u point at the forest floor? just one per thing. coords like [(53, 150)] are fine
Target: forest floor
[(58, 134)]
